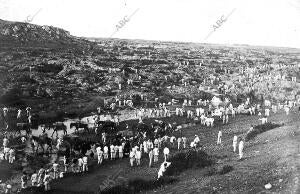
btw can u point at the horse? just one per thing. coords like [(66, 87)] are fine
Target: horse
[(23, 127), (106, 126), (59, 126), (42, 140), (79, 125)]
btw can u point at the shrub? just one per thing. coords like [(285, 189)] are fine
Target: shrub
[(210, 171), (179, 162), (137, 185), (225, 169), (188, 159), (260, 129)]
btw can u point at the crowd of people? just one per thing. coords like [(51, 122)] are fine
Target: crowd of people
[(152, 148)]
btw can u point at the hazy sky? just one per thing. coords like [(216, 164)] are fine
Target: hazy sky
[(255, 22)]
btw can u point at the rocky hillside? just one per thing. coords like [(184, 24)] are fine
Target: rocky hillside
[(26, 32), (50, 70)]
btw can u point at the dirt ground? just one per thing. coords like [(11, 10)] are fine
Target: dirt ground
[(272, 157)]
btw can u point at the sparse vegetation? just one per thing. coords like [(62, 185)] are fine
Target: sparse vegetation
[(188, 159), (139, 185), (260, 129), (225, 169)]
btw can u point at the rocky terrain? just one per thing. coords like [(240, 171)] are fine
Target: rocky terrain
[(50, 70), (60, 75)]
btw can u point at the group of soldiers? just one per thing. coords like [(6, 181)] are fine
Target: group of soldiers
[(147, 147)]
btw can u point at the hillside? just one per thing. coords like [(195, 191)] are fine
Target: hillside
[(48, 69), (60, 75)]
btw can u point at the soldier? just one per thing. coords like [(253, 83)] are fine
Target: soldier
[(99, 154), (34, 179), (150, 157), (184, 139), (155, 154), (12, 156), (241, 147), (24, 181), (46, 181), (55, 170), (85, 164), (166, 153), (121, 151), (132, 157), (105, 150), (138, 156), (163, 169), (219, 141), (178, 142), (234, 142)]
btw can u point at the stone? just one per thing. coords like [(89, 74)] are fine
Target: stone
[(268, 186)]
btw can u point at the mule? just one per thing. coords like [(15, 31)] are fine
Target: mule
[(41, 141), (80, 125), (59, 126), (23, 127)]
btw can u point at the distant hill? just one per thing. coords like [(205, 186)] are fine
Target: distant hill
[(25, 34)]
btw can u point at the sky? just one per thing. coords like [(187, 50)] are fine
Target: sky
[(253, 22)]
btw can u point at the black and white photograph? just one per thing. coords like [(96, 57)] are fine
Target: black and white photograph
[(149, 96)]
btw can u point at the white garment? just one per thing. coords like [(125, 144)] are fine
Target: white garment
[(234, 143), (162, 169), (166, 150), (241, 147)]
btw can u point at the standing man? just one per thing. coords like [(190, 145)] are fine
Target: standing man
[(121, 151), (19, 114), (219, 141), (184, 142), (41, 176), (178, 142), (34, 179), (65, 160), (85, 164), (105, 149), (150, 157), (138, 156), (155, 154), (112, 152), (234, 143), (5, 141), (80, 164), (24, 181), (47, 181), (12, 156), (166, 153), (99, 154), (55, 170), (172, 140), (241, 147), (132, 156)]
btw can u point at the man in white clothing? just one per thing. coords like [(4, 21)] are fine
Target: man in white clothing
[(138, 156), (155, 154), (166, 153), (219, 141), (163, 168), (234, 143), (85, 163), (99, 154), (132, 156), (178, 142), (241, 147), (105, 150)]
